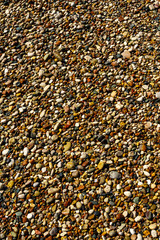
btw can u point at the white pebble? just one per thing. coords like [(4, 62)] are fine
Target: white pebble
[(5, 151), (154, 233), (138, 218), (128, 193), (139, 236), (30, 215), (132, 231), (158, 95), (25, 151)]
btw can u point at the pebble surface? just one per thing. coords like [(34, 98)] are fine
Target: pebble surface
[(79, 120)]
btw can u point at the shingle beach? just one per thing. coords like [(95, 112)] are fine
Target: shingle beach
[(80, 120)]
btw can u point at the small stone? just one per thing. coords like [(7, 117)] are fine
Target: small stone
[(107, 189), (57, 55), (18, 214), (136, 200), (70, 165), (78, 205), (154, 233), (5, 151), (75, 173), (30, 215), (53, 190), (25, 151), (113, 94), (66, 211), (102, 180), (127, 193), (139, 236), (101, 165), (115, 175), (67, 146), (153, 226), (149, 215), (55, 137), (53, 231), (126, 54), (41, 72), (50, 200), (37, 193), (10, 184), (120, 217), (66, 109), (46, 57), (143, 147), (2, 186), (158, 95), (138, 218), (12, 141), (112, 233)]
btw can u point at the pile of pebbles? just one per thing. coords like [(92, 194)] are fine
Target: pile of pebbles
[(79, 119)]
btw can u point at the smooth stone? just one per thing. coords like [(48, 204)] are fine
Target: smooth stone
[(11, 183), (55, 137), (107, 189), (78, 205), (102, 180), (66, 211), (53, 231), (70, 165), (5, 151), (37, 193), (149, 215), (50, 200), (136, 200), (53, 190), (154, 233), (18, 214), (21, 196), (2, 186), (126, 54), (46, 57), (38, 165), (67, 146), (138, 218), (25, 151), (128, 194), (30, 215), (101, 165), (112, 233), (115, 175), (12, 141), (153, 226), (139, 236), (75, 173), (158, 95)]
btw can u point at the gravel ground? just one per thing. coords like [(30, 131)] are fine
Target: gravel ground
[(80, 120)]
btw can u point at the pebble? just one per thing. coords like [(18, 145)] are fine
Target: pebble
[(153, 226), (5, 151), (138, 219), (100, 165), (10, 184), (30, 215), (115, 175), (53, 190), (154, 233), (127, 193), (54, 231), (126, 54), (67, 146), (70, 165)]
